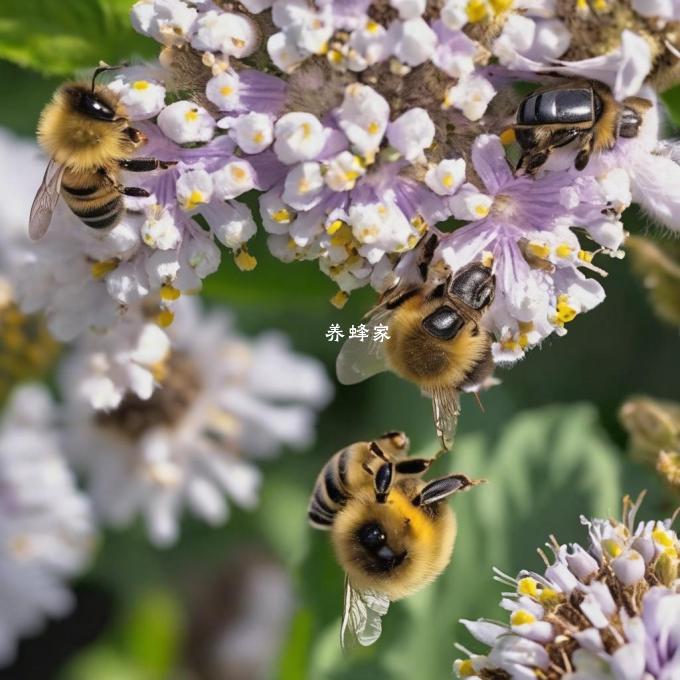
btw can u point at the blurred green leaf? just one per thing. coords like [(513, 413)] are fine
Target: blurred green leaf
[(59, 37), (544, 461), (152, 634), (672, 100), (103, 663)]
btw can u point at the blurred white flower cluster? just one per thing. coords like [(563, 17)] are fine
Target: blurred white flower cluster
[(153, 420), (608, 611)]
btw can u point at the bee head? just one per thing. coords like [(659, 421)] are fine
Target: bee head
[(474, 285), (98, 103)]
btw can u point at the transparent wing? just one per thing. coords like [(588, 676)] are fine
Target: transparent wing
[(361, 616), (445, 411), (359, 359), (45, 200)]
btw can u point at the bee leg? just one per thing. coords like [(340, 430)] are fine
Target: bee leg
[(377, 451), (145, 164), (414, 466), (439, 489), (583, 156), (383, 481), (134, 191)]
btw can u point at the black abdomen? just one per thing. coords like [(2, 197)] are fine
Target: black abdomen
[(560, 106)]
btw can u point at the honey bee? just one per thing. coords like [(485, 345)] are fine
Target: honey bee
[(581, 111), (89, 140), (435, 337), (392, 532)]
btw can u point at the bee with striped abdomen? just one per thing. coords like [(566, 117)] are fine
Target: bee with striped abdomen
[(89, 140), (392, 532)]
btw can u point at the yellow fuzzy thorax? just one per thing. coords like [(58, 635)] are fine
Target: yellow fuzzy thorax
[(429, 362), (80, 142), (426, 537)]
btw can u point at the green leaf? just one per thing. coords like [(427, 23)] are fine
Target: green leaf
[(59, 37), (546, 468)]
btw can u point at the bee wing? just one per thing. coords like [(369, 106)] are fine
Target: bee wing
[(359, 360), (45, 200), (445, 411), (361, 616)]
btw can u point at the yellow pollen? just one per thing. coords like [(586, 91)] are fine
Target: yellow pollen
[(418, 221), (245, 261), (548, 596), (351, 175), (372, 26), (508, 137), (342, 237), (333, 227), (523, 340), (169, 293), (339, 300), (100, 269), (238, 173), (226, 90), (612, 547), (238, 42), (303, 186), (306, 130), (510, 345), (538, 249), (565, 312), (140, 85), (522, 616), (291, 245), (164, 318), (191, 115), (601, 5), (476, 10), (159, 370), (527, 586), (466, 669), (194, 199), (662, 538), (585, 255), (258, 137), (382, 210), (481, 210), (373, 128), (526, 326), (335, 57), (448, 180), (582, 5), (500, 6), (563, 250), (281, 216), (487, 258)]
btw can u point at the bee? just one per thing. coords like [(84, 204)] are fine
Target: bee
[(435, 335), (392, 532), (89, 140), (581, 111)]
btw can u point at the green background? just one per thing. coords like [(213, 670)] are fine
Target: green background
[(548, 441)]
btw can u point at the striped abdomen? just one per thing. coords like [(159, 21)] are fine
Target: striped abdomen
[(331, 490), (93, 198)]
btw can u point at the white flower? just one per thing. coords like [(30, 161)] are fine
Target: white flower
[(414, 41), (298, 137), (342, 171), (409, 9), (223, 91), (446, 177), (233, 179), (232, 223), (46, 528), (470, 203), (194, 188), (185, 122), (168, 21), (303, 186), (141, 98), (283, 52), (159, 230), (454, 14), (253, 132), (411, 133), (471, 95), (232, 34), (222, 401), (363, 117)]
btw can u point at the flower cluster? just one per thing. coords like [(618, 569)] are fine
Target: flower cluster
[(160, 422), (610, 610), (46, 525)]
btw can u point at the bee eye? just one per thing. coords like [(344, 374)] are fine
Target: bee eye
[(444, 324), (94, 107), (474, 286), (371, 536)]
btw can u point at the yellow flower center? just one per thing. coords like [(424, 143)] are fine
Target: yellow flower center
[(226, 90), (527, 586), (169, 293), (373, 128), (521, 617), (191, 115), (100, 269), (281, 216), (245, 261), (563, 250), (164, 318), (140, 85)]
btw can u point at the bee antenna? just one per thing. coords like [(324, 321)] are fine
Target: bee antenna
[(103, 67), (479, 402)]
